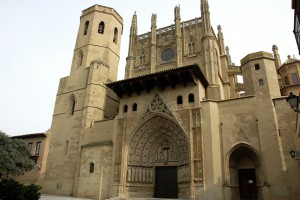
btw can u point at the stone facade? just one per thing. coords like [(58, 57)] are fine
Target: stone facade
[(179, 115)]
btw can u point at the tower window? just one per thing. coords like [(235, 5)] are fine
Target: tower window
[(101, 27), (134, 107), (115, 40), (257, 67), (125, 108), (179, 100), (86, 27), (80, 58), (260, 82), (191, 98), (92, 166), (67, 147), (286, 80), (71, 105), (295, 78)]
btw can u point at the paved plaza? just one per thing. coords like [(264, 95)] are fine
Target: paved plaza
[(54, 197)]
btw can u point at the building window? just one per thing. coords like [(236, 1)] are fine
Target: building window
[(30, 147), (101, 28), (134, 107), (86, 27), (37, 148), (72, 105), (167, 54), (257, 67), (191, 98), (286, 80), (179, 100), (125, 108), (115, 40), (92, 166), (295, 78), (260, 82)]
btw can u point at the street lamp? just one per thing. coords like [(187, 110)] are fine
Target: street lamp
[(293, 101)]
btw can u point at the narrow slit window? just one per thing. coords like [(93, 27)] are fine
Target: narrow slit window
[(73, 107), (101, 27), (86, 27), (92, 167), (115, 40), (179, 100)]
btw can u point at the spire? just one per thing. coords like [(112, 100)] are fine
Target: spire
[(228, 55), (221, 40), (178, 41), (205, 15), (276, 56), (153, 44), (132, 45)]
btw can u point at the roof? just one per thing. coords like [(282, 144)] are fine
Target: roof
[(32, 135), (290, 60), (162, 79)]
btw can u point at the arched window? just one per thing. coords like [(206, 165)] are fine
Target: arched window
[(101, 27), (179, 99), (92, 166), (86, 27), (115, 40), (125, 108), (134, 107), (191, 98), (260, 82), (72, 104)]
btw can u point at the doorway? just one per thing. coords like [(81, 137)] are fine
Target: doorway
[(247, 184), (166, 185)]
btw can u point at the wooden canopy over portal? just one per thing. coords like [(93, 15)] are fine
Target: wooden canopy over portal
[(161, 80)]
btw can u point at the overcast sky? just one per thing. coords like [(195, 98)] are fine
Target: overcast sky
[(37, 39)]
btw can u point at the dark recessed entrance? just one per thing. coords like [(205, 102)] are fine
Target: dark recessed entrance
[(166, 182), (247, 184)]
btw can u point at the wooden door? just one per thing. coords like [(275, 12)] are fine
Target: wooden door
[(166, 185)]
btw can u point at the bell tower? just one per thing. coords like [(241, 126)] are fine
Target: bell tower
[(82, 97), (99, 37)]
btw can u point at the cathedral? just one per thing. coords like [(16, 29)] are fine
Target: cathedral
[(179, 125)]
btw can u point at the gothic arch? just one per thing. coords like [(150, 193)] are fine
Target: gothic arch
[(243, 160)]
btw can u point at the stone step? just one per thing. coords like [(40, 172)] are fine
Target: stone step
[(131, 198)]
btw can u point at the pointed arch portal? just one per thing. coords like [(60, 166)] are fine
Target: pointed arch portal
[(158, 152), (244, 169)]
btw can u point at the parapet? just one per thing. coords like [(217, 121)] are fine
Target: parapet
[(103, 9), (256, 55)]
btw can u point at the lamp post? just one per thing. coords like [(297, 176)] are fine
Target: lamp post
[(293, 101)]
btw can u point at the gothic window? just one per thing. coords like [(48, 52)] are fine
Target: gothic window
[(179, 100), (115, 40), (37, 148), (260, 82), (86, 27), (125, 108), (286, 80), (92, 166), (295, 78), (191, 45), (257, 67), (191, 98), (101, 27), (134, 107)]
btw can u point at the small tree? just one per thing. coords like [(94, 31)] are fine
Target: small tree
[(14, 156)]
